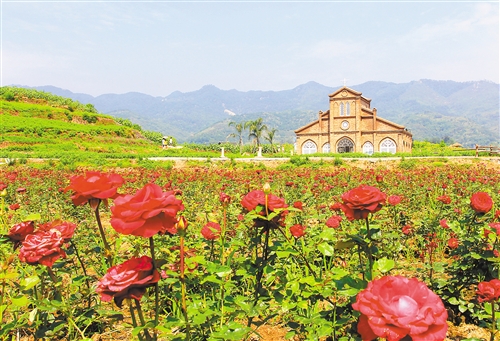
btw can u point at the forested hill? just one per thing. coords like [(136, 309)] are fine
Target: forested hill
[(464, 112)]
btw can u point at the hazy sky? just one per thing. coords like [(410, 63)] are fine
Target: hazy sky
[(157, 47)]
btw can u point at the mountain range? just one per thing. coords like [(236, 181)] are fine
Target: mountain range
[(463, 112)]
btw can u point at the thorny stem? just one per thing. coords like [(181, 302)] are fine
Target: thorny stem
[(157, 294), (107, 249)]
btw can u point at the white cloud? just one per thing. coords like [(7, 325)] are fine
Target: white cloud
[(485, 14)]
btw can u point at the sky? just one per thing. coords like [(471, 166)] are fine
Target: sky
[(158, 47)]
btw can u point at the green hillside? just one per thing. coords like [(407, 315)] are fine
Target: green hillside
[(36, 124)]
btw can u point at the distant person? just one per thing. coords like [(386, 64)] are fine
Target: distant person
[(170, 143), (163, 142)]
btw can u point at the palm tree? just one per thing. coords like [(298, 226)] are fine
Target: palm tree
[(239, 133), (270, 137), (255, 128)]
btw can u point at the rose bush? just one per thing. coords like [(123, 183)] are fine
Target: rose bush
[(129, 279), (94, 185), (361, 201), (394, 307), (146, 213)]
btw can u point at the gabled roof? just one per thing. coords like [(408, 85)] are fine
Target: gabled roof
[(354, 92), (322, 114)]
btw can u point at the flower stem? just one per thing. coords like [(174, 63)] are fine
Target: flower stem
[(157, 293), (493, 322), (141, 318), (183, 289), (369, 250), (84, 271), (107, 249)]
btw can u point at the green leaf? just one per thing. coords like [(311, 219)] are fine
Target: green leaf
[(384, 265), (326, 249), (20, 301), (454, 301), (29, 282), (344, 244), (33, 217)]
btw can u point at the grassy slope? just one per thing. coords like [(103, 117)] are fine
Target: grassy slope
[(49, 128)]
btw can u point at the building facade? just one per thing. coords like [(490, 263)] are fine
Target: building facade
[(351, 125)]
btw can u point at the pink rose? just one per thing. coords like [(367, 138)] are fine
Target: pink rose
[(393, 200), (129, 279), (394, 307), (334, 221), (42, 247), (146, 213)]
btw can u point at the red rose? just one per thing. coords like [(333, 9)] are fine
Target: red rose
[(14, 207), (19, 231), (444, 199), (444, 224), (336, 206), (495, 226), (361, 201), (211, 231), (298, 205), (64, 229), (407, 229), (481, 202), (224, 198), (393, 200), (394, 307), (453, 243), (94, 185), (43, 248), (334, 221), (129, 279), (488, 291), (257, 197), (146, 213), (298, 230)]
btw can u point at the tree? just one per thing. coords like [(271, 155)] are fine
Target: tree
[(239, 133), (270, 137), (255, 129)]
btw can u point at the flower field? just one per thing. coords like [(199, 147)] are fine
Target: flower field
[(218, 253)]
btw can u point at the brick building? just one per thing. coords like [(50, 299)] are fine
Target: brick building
[(350, 125)]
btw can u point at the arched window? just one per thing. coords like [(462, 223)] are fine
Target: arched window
[(368, 148), (326, 148), (309, 147), (345, 145), (388, 146), (348, 109), (341, 109)]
